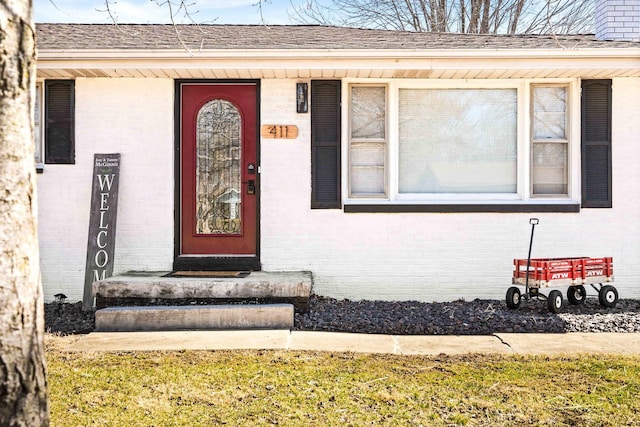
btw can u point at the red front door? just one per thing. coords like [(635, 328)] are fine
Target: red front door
[(218, 169)]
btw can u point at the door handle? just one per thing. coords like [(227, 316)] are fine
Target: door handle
[(251, 187)]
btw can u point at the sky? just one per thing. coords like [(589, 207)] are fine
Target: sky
[(150, 11)]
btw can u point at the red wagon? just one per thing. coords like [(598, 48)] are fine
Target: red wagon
[(539, 273)]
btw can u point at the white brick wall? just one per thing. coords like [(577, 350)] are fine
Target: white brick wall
[(133, 117), (618, 20), (436, 256), (418, 256)]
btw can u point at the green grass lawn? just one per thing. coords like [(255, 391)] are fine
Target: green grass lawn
[(205, 388)]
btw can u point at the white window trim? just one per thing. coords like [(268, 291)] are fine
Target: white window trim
[(524, 145), (570, 124), (350, 140)]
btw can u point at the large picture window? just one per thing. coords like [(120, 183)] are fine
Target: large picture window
[(457, 141), (470, 142)]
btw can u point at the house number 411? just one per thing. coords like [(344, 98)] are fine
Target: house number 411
[(279, 131)]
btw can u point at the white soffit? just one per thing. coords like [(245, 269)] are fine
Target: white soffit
[(443, 64)]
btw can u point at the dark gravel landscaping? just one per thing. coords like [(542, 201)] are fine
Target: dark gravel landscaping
[(477, 317), (68, 318)]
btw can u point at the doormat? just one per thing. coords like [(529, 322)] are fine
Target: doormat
[(209, 274)]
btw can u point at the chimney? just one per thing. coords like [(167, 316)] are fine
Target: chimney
[(618, 20)]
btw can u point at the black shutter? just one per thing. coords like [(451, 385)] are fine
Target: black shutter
[(325, 144), (596, 144), (59, 122)]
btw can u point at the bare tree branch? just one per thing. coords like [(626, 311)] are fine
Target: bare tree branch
[(107, 10), (53, 3), (465, 16), (175, 8)]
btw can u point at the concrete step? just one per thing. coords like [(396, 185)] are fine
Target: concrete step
[(142, 288), (195, 317)]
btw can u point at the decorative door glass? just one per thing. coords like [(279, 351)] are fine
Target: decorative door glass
[(218, 172)]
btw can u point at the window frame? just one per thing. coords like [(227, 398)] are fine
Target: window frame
[(362, 141), (524, 120), (567, 140), (437, 195), (42, 120)]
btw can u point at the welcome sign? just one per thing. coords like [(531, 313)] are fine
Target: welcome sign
[(102, 223)]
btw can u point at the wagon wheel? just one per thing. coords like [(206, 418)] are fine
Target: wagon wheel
[(554, 301), (608, 296), (513, 297), (576, 294)]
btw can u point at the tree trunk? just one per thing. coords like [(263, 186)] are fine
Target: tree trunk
[(515, 16), (474, 19), (443, 19), (433, 21), (484, 25), (23, 384)]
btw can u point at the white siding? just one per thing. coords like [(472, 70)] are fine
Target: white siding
[(133, 117)]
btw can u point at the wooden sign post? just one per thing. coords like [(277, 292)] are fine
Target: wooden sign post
[(102, 223)]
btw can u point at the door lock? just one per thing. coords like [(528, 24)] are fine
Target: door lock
[(251, 187)]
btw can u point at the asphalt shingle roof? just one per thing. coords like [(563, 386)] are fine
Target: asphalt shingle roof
[(230, 37)]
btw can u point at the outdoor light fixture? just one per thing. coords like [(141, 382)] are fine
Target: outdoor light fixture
[(302, 97)]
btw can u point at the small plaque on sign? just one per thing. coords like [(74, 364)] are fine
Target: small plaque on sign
[(279, 131)]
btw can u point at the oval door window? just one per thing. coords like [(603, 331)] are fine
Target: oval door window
[(218, 173)]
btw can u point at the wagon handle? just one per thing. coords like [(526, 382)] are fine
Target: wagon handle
[(533, 222)]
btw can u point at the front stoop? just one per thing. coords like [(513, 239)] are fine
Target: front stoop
[(203, 317), (151, 302), (259, 285)]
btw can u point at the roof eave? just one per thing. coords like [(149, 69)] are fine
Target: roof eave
[(485, 53), (342, 63)]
